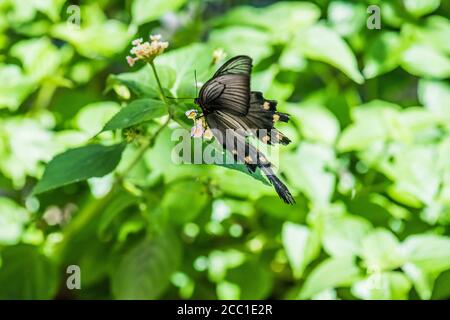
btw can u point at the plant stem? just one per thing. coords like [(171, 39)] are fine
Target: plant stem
[(161, 91), (150, 142)]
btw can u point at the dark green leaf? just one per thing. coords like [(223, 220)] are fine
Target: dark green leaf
[(26, 274), (136, 112), (79, 164), (144, 271)]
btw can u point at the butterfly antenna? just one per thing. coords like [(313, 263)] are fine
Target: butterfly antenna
[(195, 77), (174, 98)]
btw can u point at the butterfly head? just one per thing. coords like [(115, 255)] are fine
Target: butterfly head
[(197, 101)]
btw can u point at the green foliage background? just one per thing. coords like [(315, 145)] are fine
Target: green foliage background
[(369, 164)]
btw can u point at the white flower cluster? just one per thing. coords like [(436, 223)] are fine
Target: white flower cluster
[(146, 51), (200, 128)]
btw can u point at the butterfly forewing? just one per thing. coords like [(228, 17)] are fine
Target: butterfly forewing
[(229, 88)]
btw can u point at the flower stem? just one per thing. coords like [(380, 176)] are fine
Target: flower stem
[(150, 142), (161, 91)]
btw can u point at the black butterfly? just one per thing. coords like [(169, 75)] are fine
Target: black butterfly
[(233, 112)]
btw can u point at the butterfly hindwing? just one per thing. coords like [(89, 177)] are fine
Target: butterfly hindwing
[(262, 115), (232, 135)]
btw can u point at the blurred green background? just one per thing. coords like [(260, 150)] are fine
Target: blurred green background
[(369, 164)]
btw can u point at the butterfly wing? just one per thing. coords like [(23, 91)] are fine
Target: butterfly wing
[(229, 89), (231, 132)]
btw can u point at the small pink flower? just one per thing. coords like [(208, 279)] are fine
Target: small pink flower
[(191, 114), (155, 37), (131, 61), (208, 135), (137, 42), (197, 130)]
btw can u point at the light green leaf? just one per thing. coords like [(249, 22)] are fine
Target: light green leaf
[(12, 220), (383, 286), (301, 244), (136, 112), (97, 40), (420, 8), (324, 44), (79, 164), (381, 250), (15, 86), (346, 18), (93, 116), (423, 281), (308, 170), (342, 235), (39, 57), (316, 122), (24, 144), (374, 122), (434, 95), (429, 252), (144, 11), (26, 274), (144, 271), (238, 40), (425, 61), (331, 273), (281, 19)]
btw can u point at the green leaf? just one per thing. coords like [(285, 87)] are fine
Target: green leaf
[(425, 61), (383, 54), (346, 18), (238, 40), (26, 274), (302, 246), (39, 57), (281, 19), (308, 170), (420, 8), (12, 221), (16, 86), (331, 273), (324, 44), (429, 252), (79, 164), (423, 281), (144, 271), (342, 236), (184, 200), (372, 123), (103, 39), (434, 95), (316, 122), (93, 116), (182, 64), (383, 286), (144, 11), (381, 250), (253, 280), (136, 112)]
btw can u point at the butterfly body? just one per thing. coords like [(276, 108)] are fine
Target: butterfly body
[(233, 113)]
